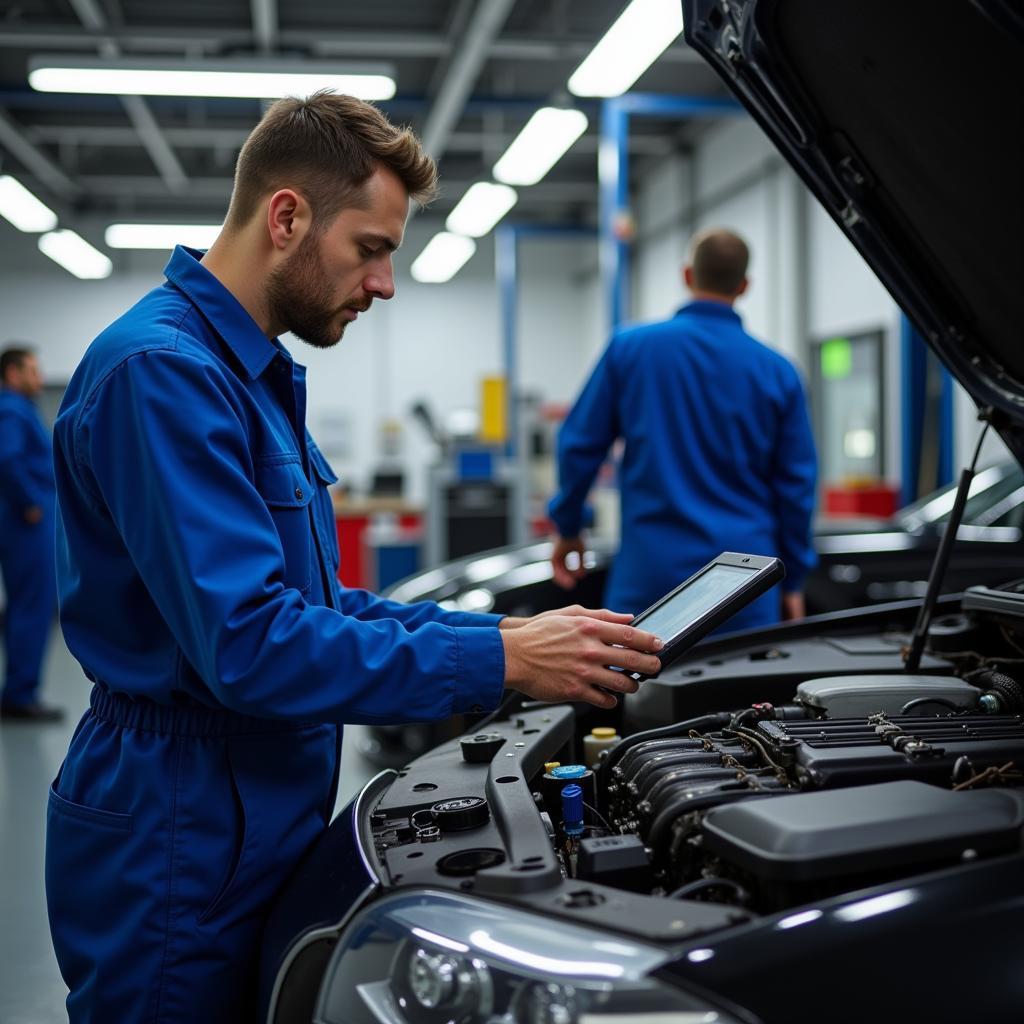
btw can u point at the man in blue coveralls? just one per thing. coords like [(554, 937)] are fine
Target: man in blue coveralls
[(718, 451), (26, 536), (197, 573)]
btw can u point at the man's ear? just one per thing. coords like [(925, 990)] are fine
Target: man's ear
[(688, 277), (288, 218), (744, 285)]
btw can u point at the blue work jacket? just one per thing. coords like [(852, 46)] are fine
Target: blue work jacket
[(718, 454), (26, 457), (196, 548)]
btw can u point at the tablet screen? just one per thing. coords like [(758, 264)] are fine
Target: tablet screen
[(707, 591)]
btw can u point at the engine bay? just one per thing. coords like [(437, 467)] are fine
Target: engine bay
[(826, 783)]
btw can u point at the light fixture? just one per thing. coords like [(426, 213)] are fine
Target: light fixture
[(483, 205), (22, 208), (635, 41), (540, 145), (75, 254), (161, 236), (442, 258), (251, 79)]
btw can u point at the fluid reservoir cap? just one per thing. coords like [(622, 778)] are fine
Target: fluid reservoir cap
[(603, 732), (461, 813), (569, 771), (482, 747)]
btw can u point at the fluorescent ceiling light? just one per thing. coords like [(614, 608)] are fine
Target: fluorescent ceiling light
[(243, 79), (540, 145), (22, 209), (161, 236), (481, 208), (75, 254), (442, 258), (637, 39)]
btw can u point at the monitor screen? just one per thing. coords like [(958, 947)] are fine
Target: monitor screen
[(700, 597)]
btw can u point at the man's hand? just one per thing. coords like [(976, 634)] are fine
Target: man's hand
[(32, 515), (793, 606), (556, 657), (564, 576), (515, 622)]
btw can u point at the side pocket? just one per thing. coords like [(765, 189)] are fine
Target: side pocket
[(235, 865), (95, 815)]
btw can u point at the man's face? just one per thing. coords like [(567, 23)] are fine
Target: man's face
[(26, 379), (335, 273)]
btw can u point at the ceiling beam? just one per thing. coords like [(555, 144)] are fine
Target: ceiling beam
[(141, 117), (356, 43), (207, 137), (14, 140), (264, 24), (463, 71)]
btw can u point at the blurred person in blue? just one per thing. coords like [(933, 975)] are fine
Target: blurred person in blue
[(26, 536), (717, 455), (198, 582)]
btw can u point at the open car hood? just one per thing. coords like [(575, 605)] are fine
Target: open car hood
[(905, 120)]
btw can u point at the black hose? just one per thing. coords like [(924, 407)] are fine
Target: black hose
[(742, 896)]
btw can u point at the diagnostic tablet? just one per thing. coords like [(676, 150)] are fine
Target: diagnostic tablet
[(706, 600)]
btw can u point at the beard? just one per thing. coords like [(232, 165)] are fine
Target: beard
[(300, 296)]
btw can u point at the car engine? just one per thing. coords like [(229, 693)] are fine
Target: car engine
[(829, 784)]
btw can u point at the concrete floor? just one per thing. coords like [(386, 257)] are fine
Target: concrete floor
[(31, 989)]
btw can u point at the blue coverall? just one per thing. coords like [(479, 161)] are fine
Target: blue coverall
[(718, 455), (197, 570), (26, 549)]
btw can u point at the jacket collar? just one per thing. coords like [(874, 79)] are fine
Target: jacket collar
[(254, 350), (708, 307)]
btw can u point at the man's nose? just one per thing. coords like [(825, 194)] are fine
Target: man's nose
[(381, 284)]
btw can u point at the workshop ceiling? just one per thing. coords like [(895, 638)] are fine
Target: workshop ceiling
[(469, 74)]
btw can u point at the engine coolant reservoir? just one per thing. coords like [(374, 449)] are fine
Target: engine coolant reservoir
[(601, 738)]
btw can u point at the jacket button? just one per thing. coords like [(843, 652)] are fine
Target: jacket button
[(476, 709), (298, 493)]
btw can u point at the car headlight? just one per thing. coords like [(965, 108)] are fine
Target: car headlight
[(429, 957)]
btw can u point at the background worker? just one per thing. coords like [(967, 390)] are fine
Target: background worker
[(718, 450), (26, 536), (197, 565)]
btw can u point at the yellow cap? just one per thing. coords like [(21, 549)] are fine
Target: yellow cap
[(603, 732), (548, 765)]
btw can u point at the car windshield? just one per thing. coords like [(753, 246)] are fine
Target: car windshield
[(994, 495)]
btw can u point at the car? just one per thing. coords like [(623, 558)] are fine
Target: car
[(861, 560), (817, 822)]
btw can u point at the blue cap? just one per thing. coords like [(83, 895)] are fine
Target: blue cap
[(569, 771), (572, 810)]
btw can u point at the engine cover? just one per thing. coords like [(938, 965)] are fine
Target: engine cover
[(818, 836)]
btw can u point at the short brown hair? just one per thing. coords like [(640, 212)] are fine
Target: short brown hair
[(719, 260), (326, 147), (13, 358)]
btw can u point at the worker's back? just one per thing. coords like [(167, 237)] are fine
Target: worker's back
[(714, 425)]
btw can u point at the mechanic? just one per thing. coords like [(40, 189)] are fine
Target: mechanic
[(718, 452), (197, 573), (26, 536)]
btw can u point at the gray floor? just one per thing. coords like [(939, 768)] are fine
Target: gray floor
[(31, 989)]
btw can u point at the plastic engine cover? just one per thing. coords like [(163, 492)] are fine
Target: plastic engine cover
[(856, 696), (812, 836)]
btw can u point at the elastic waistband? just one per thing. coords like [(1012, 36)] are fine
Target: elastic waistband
[(194, 720)]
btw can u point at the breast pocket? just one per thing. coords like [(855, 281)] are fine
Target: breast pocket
[(283, 486)]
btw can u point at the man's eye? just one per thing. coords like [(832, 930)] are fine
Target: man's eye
[(366, 252)]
